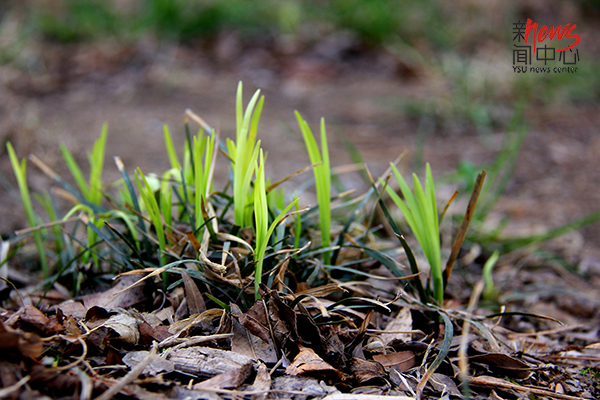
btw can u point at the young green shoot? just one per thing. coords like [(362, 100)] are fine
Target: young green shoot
[(420, 211), (322, 172), (244, 153), (261, 219), (151, 205), (490, 292)]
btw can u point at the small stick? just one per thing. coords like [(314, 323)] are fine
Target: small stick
[(462, 231), (130, 377)]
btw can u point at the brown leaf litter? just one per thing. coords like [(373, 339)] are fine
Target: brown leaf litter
[(286, 347)]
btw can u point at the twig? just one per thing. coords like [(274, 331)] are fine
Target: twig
[(179, 342), (130, 377), (462, 350), (489, 381), (5, 392)]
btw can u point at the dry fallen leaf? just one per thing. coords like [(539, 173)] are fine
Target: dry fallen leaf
[(245, 343), (402, 361), (262, 383), (116, 297), (397, 330), (364, 370), (226, 380), (13, 342), (504, 364), (307, 361)]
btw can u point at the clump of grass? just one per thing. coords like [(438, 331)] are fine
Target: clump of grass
[(243, 153), (231, 239), (420, 211)]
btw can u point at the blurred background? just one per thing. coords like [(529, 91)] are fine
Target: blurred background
[(432, 78)]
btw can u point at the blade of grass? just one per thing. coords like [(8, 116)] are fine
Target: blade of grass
[(322, 173), (20, 170)]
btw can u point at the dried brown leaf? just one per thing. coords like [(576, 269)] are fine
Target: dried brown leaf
[(30, 318), (157, 365), (14, 342), (245, 343), (401, 361), (195, 302), (128, 292), (365, 371), (307, 361), (262, 383), (226, 380), (395, 331), (125, 326), (504, 364)]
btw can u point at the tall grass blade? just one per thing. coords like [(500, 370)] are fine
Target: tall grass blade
[(20, 170), (322, 172)]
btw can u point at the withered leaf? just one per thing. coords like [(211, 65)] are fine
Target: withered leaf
[(245, 343), (504, 364), (72, 308), (364, 370), (17, 342), (52, 380), (255, 321), (307, 361), (125, 326), (262, 383), (226, 380), (115, 297), (394, 331), (444, 385), (30, 318), (401, 361), (195, 302), (283, 318)]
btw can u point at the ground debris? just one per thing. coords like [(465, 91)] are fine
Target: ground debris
[(278, 348), (206, 361)]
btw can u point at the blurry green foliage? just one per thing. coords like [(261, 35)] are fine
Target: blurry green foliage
[(374, 21)]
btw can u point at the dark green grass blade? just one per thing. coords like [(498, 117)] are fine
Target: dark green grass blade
[(110, 243), (136, 205), (125, 240), (409, 254), (523, 314), (340, 240)]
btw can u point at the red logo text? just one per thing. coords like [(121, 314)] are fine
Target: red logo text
[(544, 32)]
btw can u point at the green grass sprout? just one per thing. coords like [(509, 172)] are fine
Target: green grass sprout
[(322, 172), (20, 170), (420, 211), (490, 292), (147, 194), (261, 219), (244, 153)]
